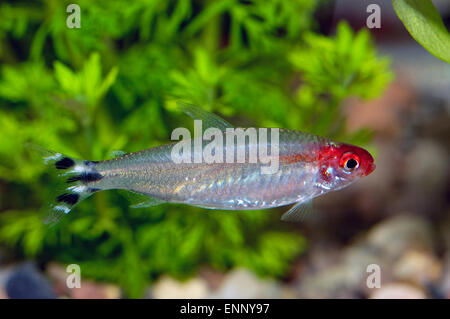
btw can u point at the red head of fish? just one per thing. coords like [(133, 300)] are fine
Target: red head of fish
[(340, 164)]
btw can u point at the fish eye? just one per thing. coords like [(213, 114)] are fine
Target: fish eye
[(351, 164), (349, 161)]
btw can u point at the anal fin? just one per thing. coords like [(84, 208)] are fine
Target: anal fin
[(149, 203), (137, 199), (298, 212)]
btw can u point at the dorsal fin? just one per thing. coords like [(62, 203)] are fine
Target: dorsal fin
[(208, 119), (116, 153)]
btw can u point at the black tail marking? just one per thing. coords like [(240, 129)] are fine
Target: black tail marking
[(91, 177), (73, 179), (70, 199), (85, 177), (64, 163)]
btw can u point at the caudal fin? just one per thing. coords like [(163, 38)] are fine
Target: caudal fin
[(75, 179)]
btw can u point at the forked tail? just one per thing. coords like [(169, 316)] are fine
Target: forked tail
[(76, 180)]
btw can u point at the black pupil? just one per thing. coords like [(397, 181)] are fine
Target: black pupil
[(351, 163)]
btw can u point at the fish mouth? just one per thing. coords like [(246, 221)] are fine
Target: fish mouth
[(370, 169)]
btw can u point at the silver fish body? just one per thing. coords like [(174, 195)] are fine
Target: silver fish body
[(234, 186)]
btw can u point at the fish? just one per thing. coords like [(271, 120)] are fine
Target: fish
[(308, 167)]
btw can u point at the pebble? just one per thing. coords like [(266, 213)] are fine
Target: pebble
[(95, 290), (58, 275), (27, 282), (418, 267), (167, 287), (384, 245), (88, 289), (3, 294), (213, 278), (398, 291), (445, 278), (393, 236), (243, 284)]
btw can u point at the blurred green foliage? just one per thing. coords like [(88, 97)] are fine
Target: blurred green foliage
[(112, 85)]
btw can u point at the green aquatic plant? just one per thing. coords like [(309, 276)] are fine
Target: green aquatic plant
[(424, 23), (111, 85)]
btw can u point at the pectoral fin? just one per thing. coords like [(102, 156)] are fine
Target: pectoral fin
[(298, 212), (208, 119)]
